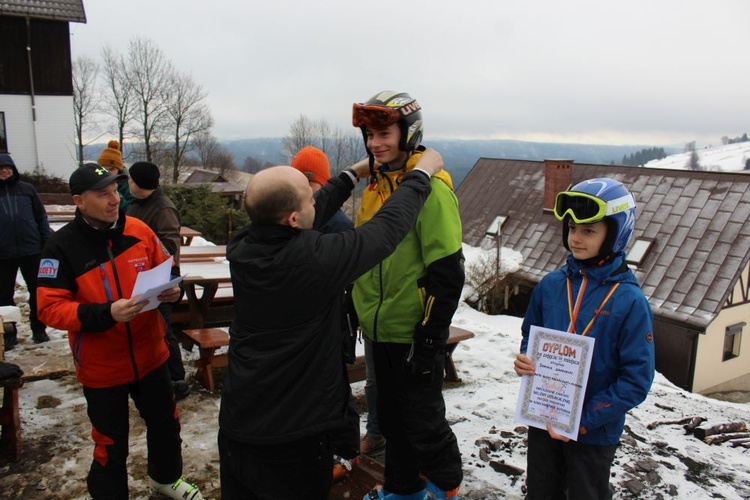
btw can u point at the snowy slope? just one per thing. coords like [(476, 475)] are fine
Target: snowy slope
[(728, 158)]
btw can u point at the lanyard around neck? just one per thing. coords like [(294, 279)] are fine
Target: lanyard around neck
[(574, 309)]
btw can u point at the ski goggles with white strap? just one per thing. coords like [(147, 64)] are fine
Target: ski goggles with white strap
[(584, 208)]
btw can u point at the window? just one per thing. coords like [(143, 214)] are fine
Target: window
[(3, 137), (638, 251), (732, 339)]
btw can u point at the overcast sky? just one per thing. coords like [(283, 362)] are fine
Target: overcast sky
[(653, 72)]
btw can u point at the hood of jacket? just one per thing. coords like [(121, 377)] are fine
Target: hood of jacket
[(6, 160)]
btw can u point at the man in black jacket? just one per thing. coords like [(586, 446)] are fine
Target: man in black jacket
[(23, 230), (285, 388), (157, 210)]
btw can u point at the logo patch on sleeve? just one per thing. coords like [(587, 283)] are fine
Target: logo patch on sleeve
[(649, 337), (48, 268)]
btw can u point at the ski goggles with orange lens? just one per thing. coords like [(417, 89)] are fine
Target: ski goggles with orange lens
[(586, 209), (365, 115)]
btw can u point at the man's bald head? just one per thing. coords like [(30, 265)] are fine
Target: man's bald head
[(273, 193)]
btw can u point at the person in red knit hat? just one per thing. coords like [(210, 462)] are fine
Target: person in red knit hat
[(313, 162), (111, 159)]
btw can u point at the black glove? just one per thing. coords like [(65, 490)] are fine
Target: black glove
[(9, 370), (423, 357)]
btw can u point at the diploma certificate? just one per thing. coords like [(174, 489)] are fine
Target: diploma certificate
[(554, 394)]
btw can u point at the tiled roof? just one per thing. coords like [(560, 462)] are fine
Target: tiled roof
[(698, 221), (56, 10)]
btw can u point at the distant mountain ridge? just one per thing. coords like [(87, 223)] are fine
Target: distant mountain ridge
[(459, 155)]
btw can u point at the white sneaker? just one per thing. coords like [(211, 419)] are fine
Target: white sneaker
[(179, 490)]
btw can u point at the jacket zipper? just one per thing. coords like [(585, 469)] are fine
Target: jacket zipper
[(127, 324), (380, 303), (12, 213)]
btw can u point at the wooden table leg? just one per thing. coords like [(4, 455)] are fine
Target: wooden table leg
[(11, 421), (450, 367), (205, 372), (199, 307)]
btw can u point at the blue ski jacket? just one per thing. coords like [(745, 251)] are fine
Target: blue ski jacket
[(622, 368)]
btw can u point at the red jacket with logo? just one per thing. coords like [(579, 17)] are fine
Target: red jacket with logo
[(82, 271)]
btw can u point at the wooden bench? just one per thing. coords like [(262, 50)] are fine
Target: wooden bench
[(187, 234), (209, 340), (10, 418), (357, 372)]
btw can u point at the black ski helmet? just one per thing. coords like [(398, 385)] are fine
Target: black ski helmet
[(386, 108)]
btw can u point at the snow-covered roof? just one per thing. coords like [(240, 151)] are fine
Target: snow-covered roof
[(698, 222)]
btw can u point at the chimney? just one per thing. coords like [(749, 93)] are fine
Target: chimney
[(558, 176)]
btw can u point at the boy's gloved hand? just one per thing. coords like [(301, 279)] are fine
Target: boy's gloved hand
[(423, 357), (9, 370)]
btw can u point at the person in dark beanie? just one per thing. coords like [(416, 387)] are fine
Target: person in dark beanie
[(153, 207), (111, 159), (23, 230), (87, 274)]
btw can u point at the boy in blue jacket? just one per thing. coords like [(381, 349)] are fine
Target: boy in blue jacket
[(604, 301)]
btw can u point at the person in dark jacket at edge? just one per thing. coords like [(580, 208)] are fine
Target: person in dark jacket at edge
[(86, 277), (153, 207), (24, 229), (285, 388), (313, 163)]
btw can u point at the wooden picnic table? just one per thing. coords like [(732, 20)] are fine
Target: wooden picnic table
[(208, 276), (208, 252), (187, 234), (60, 214)]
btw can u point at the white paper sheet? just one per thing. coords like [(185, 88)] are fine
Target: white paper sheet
[(149, 284), (554, 394)]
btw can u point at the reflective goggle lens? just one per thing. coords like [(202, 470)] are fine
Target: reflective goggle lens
[(583, 208), (373, 116)]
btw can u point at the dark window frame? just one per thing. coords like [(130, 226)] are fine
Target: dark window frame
[(732, 341), (3, 134)]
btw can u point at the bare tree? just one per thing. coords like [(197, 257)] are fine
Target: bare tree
[(693, 162), (118, 98), (86, 98), (253, 165), (211, 154), (205, 146), (346, 148), (303, 132), (148, 71), (323, 133), (342, 148), (223, 162), (186, 114)]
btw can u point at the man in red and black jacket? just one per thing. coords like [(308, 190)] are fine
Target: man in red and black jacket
[(86, 278)]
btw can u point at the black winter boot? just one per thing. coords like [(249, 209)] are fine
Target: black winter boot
[(10, 335), (39, 336)]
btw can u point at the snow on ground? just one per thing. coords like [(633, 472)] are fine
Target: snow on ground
[(659, 463), (727, 158)]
